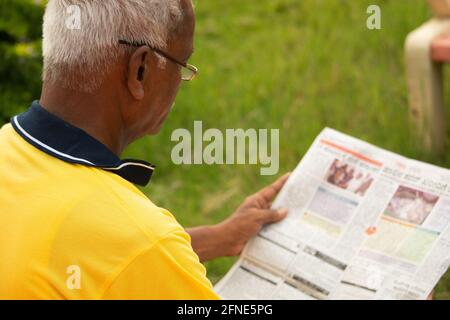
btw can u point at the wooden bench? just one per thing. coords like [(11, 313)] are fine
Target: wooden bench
[(427, 49), (440, 48)]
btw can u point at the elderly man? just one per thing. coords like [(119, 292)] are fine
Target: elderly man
[(72, 223)]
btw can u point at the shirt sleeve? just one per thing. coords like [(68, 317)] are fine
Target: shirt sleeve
[(169, 269)]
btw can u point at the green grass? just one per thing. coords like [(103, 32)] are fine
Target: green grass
[(289, 64)]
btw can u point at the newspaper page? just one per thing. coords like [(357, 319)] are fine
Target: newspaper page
[(363, 223)]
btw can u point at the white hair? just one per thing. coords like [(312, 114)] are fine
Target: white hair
[(80, 37)]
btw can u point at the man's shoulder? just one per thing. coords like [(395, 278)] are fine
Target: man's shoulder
[(6, 127), (104, 231), (112, 202), (87, 201), (6, 132)]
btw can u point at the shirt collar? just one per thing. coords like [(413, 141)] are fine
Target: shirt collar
[(60, 139)]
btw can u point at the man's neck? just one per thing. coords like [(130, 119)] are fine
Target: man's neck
[(92, 113)]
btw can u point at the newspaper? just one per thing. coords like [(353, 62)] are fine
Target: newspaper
[(363, 223)]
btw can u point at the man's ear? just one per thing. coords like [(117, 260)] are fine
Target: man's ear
[(138, 71)]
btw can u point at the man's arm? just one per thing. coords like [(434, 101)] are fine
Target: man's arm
[(229, 237), (175, 273)]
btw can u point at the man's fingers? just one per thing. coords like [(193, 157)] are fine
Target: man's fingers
[(271, 216), (269, 192)]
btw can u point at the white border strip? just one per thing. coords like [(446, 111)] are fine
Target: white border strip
[(43, 145), (16, 122), (132, 164)]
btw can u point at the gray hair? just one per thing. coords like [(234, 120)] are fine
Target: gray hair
[(80, 37)]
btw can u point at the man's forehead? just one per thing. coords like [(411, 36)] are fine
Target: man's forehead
[(188, 10), (186, 28), (188, 14)]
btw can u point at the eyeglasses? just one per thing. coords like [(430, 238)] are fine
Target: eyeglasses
[(188, 71)]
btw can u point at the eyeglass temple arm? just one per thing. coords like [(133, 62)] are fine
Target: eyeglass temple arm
[(158, 51)]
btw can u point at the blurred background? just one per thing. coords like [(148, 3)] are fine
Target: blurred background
[(296, 65)]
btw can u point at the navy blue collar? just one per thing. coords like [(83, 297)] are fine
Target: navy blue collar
[(60, 139)]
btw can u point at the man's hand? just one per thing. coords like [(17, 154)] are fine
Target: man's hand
[(229, 237), (251, 216)]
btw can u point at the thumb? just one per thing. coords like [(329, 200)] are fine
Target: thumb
[(272, 216)]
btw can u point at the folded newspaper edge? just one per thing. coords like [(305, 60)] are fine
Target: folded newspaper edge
[(363, 223)]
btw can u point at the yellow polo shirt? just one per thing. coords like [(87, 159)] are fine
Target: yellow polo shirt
[(69, 231)]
